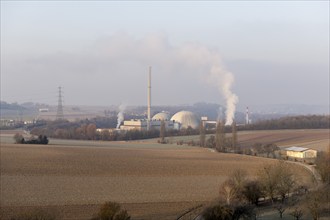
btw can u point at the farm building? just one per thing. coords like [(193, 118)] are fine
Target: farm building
[(300, 152)]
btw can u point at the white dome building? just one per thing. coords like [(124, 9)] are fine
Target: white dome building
[(186, 119), (161, 116)]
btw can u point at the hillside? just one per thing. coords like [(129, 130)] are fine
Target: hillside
[(141, 176)]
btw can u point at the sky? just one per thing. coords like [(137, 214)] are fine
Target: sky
[(99, 52)]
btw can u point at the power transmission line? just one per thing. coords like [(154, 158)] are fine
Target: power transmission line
[(59, 114)]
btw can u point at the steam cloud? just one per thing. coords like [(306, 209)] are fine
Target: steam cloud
[(224, 81), (190, 58), (120, 116), (122, 55), (218, 75)]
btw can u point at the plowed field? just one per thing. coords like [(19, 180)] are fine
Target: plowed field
[(151, 181)]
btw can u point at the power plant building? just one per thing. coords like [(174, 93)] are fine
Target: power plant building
[(142, 125), (161, 116), (182, 119), (185, 119)]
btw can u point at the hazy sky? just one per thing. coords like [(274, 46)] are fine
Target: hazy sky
[(99, 52)]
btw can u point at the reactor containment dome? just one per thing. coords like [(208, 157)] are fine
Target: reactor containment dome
[(161, 116), (186, 119)]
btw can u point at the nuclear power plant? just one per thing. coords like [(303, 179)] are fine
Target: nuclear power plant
[(182, 119)]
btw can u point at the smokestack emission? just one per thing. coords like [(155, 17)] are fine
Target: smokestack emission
[(149, 98), (120, 116), (224, 80), (247, 116), (220, 114)]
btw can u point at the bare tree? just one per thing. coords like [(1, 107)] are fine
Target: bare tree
[(287, 181), (210, 142), (18, 138), (220, 137), (323, 165), (270, 149), (111, 210), (234, 136), (239, 179), (91, 131), (281, 209), (252, 191), (228, 191), (162, 132), (297, 213), (218, 212), (277, 179), (105, 135), (257, 148), (202, 134), (269, 180), (233, 187), (314, 205)]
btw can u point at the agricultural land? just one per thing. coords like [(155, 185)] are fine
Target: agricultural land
[(150, 180)]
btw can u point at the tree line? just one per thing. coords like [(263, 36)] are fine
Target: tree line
[(291, 122), (86, 130)]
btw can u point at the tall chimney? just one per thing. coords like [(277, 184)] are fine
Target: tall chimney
[(247, 120), (149, 98)]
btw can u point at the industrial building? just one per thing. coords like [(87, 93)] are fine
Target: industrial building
[(143, 125), (182, 119), (185, 119), (300, 152), (161, 116)]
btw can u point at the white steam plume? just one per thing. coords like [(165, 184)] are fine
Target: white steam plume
[(220, 114), (120, 116), (197, 56), (224, 81)]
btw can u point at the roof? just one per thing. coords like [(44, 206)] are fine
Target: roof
[(297, 149), (161, 116), (186, 119)]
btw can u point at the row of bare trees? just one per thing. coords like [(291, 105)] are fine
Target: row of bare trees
[(275, 184), (292, 122), (273, 181), (239, 195), (219, 141)]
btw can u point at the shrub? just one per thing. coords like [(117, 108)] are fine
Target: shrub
[(18, 138), (218, 212), (111, 211), (226, 212), (297, 213)]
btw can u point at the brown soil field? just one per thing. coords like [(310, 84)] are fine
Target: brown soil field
[(318, 139), (151, 181)]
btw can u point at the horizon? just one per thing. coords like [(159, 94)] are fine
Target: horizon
[(275, 52), (285, 109)]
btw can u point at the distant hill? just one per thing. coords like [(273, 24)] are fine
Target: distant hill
[(290, 109), (8, 106), (16, 111)]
